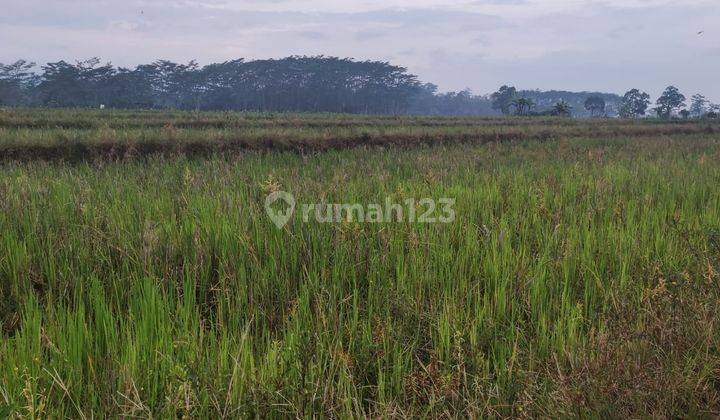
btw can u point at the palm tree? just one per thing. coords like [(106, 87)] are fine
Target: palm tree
[(562, 109)]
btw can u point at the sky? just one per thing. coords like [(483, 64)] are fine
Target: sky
[(579, 45)]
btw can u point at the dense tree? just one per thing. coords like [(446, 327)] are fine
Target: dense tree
[(305, 84), (502, 100), (174, 85), (545, 100), (131, 89), (61, 85), (562, 109), (424, 100), (85, 83), (698, 105), (292, 84), (713, 111), (634, 104), (669, 101), (685, 114), (523, 106), (310, 84), (596, 106), (430, 102), (463, 103), (15, 81)]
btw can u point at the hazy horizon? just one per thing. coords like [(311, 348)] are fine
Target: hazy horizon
[(605, 46)]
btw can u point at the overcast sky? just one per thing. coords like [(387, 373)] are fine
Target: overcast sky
[(602, 45)]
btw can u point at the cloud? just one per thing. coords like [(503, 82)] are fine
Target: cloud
[(606, 45), (312, 35), (370, 35)]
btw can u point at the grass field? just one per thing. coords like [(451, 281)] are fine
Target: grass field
[(28, 135), (580, 278)]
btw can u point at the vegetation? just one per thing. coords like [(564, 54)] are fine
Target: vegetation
[(545, 101), (523, 106), (88, 135), (634, 104), (580, 278), (562, 109), (595, 105), (308, 84), (576, 100), (671, 100), (699, 105), (301, 84), (502, 99)]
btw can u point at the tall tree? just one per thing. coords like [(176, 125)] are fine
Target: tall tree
[(698, 105), (85, 83), (634, 104), (61, 85), (16, 80), (596, 106), (502, 100), (130, 89), (669, 101)]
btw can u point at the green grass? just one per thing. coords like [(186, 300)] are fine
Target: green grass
[(90, 135), (579, 279)]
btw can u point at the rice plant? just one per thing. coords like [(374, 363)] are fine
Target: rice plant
[(580, 278)]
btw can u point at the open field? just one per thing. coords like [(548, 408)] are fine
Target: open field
[(581, 276), (99, 135)]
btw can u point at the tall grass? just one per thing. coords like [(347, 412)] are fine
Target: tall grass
[(160, 288), (87, 135)]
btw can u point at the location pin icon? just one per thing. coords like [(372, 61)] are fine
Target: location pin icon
[(278, 217)]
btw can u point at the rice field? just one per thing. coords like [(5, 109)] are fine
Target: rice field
[(579, 278), (88, 135)]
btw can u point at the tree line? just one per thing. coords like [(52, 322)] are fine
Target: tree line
[(302, 84), (634, 104), (312, 84)]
